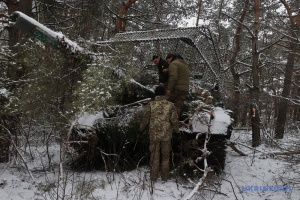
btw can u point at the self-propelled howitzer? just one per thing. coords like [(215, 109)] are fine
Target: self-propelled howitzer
[(98, 135), (30, 26), (33, 28)]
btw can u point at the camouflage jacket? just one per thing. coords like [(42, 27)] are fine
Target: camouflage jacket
[(161, 118)]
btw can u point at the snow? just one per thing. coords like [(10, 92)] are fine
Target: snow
[(4, 92), (191, 22), (218, 125), (87, 120), (56, 35), (256, 170)]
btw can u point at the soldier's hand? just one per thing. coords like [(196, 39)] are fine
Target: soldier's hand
[(168, 92)]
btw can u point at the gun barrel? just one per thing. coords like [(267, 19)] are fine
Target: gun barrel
[(28, 25)]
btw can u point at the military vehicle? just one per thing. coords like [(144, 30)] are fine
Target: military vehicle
[(109, 139)]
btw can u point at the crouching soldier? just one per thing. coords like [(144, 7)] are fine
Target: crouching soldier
[(161, 117)]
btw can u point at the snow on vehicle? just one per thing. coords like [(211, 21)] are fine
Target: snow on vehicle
[(114, 142), (109, 139)]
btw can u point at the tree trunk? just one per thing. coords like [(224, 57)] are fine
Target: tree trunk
[(296, 114), (255, 92), (4, 142), (232, 62), (218, 21), (199, 12), (121, 20), (283, 103), (8, 122)]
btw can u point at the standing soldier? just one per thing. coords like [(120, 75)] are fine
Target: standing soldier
[(162, 67), (179, 80), (161, 117)]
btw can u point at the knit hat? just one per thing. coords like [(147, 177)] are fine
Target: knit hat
[(173, 56), (160, 91), (154, 57), (169, 55)]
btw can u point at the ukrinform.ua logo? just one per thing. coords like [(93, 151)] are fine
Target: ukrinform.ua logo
[(256, 188)]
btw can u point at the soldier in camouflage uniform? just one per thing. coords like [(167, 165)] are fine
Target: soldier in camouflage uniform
[(161, 117)]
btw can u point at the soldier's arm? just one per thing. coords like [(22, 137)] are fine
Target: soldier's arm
[(174, 119), (145, 119), (159, 76)]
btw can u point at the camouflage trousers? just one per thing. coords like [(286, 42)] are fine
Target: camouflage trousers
[(178, 97), (159, 150)]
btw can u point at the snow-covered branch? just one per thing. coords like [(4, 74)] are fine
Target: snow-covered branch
[(207, 169), (199, 184), (248, 29), (22, 158)]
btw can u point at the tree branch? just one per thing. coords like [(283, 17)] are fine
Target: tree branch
[(270, 45), (289, 11), (3, 15), (248, 29), (232, 145), (207, 169), (15, 146), (254, 149)]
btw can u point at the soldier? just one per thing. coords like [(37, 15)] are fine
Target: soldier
[(161, 117), (162, 67), (178, 82)]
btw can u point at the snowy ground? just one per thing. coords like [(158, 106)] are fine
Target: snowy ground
[(250, 177)]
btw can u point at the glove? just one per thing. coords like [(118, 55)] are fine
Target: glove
[(141, 131)]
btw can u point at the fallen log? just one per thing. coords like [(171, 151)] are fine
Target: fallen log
[(233, 147)]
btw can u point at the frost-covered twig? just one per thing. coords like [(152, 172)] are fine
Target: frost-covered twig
[(200, 182), (247, 27), (271, 138), (232, 188), (107, 154), (15, 146), (64, 147), (140, 86), (286, 153), (77, 142), (138, 102), (207, 169), (137, 166), (254, 149), (229, 142), (232, 145)]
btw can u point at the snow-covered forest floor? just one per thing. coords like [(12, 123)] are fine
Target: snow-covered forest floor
[(250, 177)]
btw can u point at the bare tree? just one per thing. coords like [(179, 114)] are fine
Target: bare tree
[(11, 121), (121, 19), (254, 89), (283, 104), (232, 62), (199, 12)]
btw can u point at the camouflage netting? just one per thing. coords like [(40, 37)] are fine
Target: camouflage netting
[(114, 143), (196, 45)]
